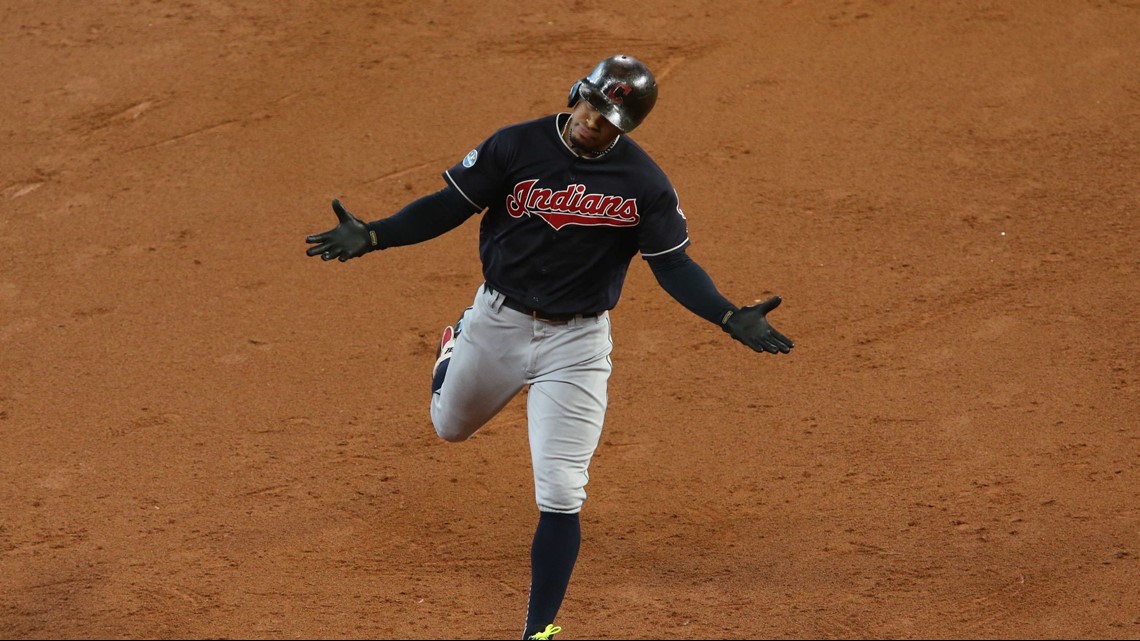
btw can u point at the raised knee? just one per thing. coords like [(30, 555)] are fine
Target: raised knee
[(451, 432)]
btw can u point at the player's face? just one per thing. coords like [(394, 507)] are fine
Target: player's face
[(589, 130)]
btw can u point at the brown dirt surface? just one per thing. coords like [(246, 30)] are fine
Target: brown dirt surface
[(207, 434)]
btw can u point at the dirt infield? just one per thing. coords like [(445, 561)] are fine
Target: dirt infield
[(206, 434)]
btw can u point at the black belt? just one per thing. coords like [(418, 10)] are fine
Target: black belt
[(537, 314)]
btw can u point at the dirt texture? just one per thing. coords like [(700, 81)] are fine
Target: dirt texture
[(206, 434)]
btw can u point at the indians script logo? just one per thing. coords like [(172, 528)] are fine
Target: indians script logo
[(571, 206)]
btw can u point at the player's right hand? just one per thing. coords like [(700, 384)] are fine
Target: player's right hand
[(349, 239)]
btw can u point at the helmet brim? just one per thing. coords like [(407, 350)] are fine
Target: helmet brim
[(611, 112)]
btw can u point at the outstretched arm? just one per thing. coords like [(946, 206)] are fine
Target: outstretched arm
[(690, 285), (422, 219)]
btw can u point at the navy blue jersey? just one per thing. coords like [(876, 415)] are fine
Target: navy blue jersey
[(560, 230)]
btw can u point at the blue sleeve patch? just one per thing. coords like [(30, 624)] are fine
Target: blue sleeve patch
[(470, 158)]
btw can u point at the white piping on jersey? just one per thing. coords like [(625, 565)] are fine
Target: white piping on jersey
[(453, 184), (644, 255), (558, 130)]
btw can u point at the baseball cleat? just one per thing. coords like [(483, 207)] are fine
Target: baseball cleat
[(443, 352), (548, 633)]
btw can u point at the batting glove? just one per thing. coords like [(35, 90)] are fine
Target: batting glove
[(348, 239), (749, 326)]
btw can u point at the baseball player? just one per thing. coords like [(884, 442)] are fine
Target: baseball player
[(569, 200)]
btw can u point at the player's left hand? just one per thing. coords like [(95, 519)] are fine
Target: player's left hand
[(348, 239), (749, 326)]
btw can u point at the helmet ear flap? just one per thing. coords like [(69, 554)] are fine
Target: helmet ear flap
[(573, 98)]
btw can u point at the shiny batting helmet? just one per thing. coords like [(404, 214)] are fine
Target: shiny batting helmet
[(621, 88)]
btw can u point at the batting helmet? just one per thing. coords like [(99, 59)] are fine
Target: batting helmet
[(621, 88)]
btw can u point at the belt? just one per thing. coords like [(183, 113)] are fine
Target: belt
[(537, 314)]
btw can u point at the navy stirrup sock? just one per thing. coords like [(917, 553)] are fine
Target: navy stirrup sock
[(552, 556)]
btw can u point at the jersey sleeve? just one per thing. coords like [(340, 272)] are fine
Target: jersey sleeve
[(481, 175), (663, 228)]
